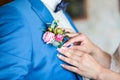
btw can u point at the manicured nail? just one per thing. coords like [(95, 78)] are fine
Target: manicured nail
[(64, 45), (58, 55), (59, 50), (62, 65), (63, 48), (69, 45)]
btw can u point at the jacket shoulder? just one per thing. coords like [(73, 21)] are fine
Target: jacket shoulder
[(9, 17), (13, 31)]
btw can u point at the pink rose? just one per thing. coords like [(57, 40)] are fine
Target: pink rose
[(48, 37), (59, 38)]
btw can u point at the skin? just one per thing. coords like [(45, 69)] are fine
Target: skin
[(80, 61), (86, 65), (88, 47), (87, 59)]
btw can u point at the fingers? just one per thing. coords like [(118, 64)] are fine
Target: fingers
[(69, 30), (73, 54), (80, 48), (68, 60), (71, 68), (72, 34), (75, 47), (69, 52), (77, 38)]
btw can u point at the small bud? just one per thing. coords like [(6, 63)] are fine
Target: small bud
[(50, 29), (58, 31)]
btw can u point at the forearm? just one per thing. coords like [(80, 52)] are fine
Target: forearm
[(107, 74), (102, 57)]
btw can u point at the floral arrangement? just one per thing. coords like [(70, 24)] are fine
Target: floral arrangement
[(55, 35)]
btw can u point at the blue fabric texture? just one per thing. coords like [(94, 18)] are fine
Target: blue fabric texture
[(23, 54)]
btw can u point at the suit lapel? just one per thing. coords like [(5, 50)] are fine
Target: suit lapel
[(41, 10), (44, 14), (71, 22)]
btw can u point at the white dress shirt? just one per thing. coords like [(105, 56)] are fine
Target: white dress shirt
[(51, 5)]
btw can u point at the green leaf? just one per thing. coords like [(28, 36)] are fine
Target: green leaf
[(60, 45)]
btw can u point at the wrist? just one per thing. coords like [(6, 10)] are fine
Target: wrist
[(103, 74), (98, 72), (96, 50), (107, 74)]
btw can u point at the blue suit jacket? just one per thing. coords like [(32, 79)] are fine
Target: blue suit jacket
[(23, 54)]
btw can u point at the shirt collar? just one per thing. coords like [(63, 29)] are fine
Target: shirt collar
[(51, 3)]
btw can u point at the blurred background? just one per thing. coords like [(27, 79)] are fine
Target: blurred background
[(98, 19)]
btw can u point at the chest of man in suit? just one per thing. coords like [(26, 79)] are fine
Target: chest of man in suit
[(23, 54)]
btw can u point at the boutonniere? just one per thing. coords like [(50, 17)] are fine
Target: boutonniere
[(55, 35)]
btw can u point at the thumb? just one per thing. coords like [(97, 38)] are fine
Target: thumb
[(73, 40)]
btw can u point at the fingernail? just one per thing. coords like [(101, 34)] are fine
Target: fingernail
[(59, 50), (58, 55), (62, 65), (65, 45), (63, 48), (69, 45)]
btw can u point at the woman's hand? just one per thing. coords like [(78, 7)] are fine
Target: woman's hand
[(82, 63), (81, 42)]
